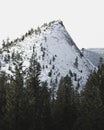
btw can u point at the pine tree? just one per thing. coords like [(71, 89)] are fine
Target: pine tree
[(92, 109), (76, 62), (33, 93), (65, 107), (100, 77), (45, 111), (100, 61), (14, 100), (3, 85)]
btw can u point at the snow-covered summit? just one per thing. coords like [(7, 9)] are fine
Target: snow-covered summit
[(56, 52)]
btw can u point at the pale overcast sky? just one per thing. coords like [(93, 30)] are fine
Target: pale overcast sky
[(83, 19)]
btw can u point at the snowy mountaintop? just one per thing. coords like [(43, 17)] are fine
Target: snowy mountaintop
[(55, 50)]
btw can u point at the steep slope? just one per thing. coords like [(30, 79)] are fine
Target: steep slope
[(95, 55), (55, 51)]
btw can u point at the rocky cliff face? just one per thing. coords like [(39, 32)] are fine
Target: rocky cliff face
[(55, 50)]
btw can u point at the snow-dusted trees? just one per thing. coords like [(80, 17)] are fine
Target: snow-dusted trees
[(76, 62)]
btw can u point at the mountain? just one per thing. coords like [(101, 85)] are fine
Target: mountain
[(95, 55), (55, 50)]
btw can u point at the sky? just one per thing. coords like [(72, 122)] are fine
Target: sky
[(83, 19)]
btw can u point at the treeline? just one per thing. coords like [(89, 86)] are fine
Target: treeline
[(28, 104)]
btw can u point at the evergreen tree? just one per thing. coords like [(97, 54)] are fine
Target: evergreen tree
[(3, 85), (65, 107), (100, 77), (92, 109), (45, 111), (14, 100), (100, 61), (76, 62), (33, 93)]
